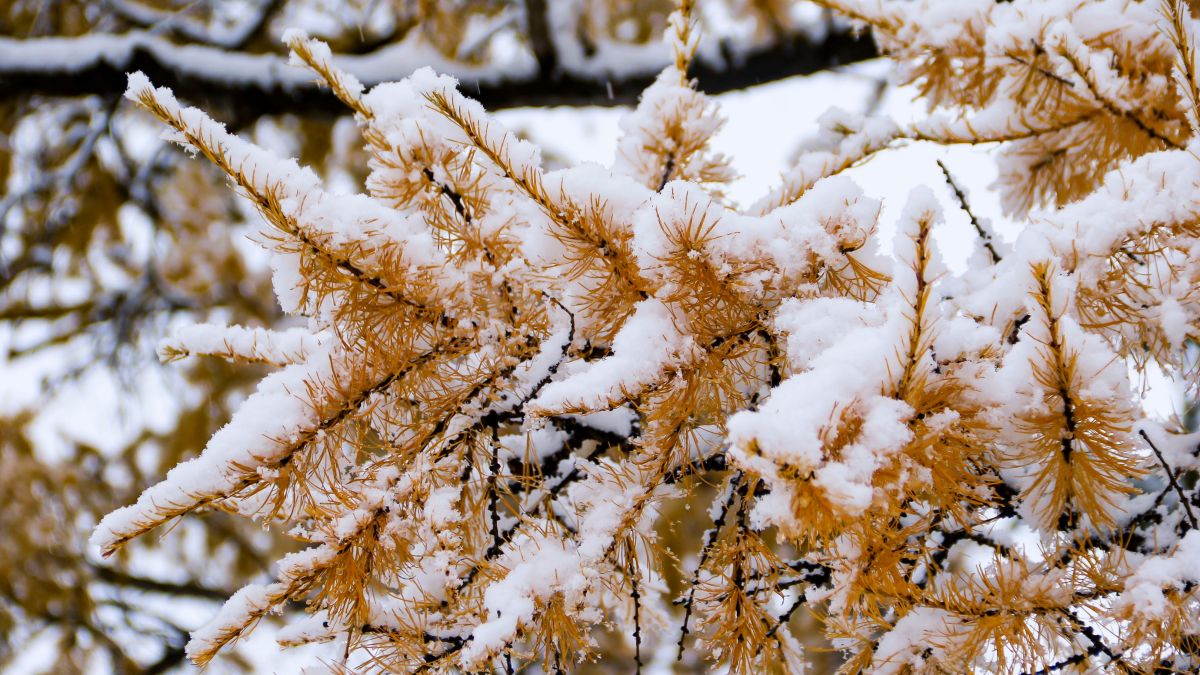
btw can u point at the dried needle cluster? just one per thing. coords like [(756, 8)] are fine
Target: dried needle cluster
[(511, 376)]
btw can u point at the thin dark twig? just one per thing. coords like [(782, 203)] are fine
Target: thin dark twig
[(961, 196), (1072, 660), (1187, 506), (710, 537), (637, 621)]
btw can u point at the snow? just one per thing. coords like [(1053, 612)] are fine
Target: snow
[(321, 54), (648, 343), (788, 426), (337, 220), (903, 647), (671, 116), (243, 609), (260, 433), (511, 602), (252, 600), (1144, 589), (842, 140)]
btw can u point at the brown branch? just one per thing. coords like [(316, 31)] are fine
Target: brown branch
[(100, 67), (193, 589), (250, 477)]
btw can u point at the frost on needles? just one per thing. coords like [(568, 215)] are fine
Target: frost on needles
[(512, 377)]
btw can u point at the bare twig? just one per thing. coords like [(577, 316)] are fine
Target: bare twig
[(984, 236), (1187, 506)]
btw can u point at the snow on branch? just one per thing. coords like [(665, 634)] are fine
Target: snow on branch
[(249, 85)]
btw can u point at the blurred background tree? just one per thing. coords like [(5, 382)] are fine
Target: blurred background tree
[(108, 238)]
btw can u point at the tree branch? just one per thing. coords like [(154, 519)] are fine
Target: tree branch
[(175, 22), (985, 237), (1174, 484), (538, 27), (189, 588), (241, 86)]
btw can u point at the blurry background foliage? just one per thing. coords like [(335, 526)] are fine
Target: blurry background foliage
[(108, 237)]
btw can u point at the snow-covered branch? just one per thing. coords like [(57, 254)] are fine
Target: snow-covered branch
[(247, 85)]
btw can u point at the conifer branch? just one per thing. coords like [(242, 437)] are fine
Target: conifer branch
[(266, 194), (494, 497), (248, 477), (1186, 78), (1088, 79)]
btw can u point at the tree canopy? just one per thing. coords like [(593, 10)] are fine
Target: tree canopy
[(517, 416)]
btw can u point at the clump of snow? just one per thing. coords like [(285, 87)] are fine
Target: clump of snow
[(1144, 589), (649, 342)]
